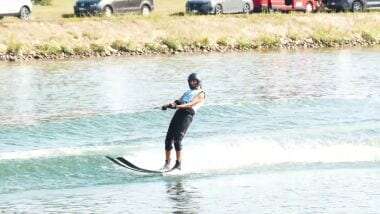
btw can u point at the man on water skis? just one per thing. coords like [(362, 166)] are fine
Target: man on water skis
[(186, 107)]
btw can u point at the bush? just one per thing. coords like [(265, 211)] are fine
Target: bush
[(368, 37), (42, 2), (269, 41), (50, 48), (328, 36), (123, 46), (67, 50), (225, 42), (203, 43), (14, 46), (173, 44), (155, 47), (244, 44), (98, 48), (81, 50)]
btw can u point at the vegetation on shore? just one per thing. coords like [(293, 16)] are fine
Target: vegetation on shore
[(42, 2), (166, 32)]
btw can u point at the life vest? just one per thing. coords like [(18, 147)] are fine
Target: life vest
[(189, 95)]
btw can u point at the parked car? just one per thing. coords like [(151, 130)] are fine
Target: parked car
[(219, 6), (18, 8), (109, 7), (287, 5), (352, 5)]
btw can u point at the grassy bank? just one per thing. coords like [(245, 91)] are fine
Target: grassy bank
[(49, 36)]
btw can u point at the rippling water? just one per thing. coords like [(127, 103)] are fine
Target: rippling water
[(281, 132)]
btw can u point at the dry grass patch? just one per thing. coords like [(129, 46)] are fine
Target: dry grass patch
[(165, 31)]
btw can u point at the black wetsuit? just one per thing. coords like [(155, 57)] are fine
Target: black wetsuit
[(177, 128)]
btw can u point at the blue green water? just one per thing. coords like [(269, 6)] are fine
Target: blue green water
[(281, 132)]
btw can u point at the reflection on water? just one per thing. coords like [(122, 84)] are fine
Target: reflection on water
[(183, 197)]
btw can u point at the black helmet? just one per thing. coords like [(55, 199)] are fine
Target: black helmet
[(193, 76)]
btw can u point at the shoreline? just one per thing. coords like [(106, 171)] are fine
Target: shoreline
[(144, 53), (133, 35)]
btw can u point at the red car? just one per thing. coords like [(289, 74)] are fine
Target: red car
[(287, 5)]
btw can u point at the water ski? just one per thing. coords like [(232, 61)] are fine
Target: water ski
[(127, 164)]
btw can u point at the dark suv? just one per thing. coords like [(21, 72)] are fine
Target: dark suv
[(352, 5), (108, 7)]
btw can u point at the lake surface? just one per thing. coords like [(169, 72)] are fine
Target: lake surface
[(281, 132)]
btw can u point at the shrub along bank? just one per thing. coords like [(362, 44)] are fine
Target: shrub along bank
[(165, 34)]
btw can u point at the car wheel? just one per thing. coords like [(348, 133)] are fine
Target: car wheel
[(246, 8), (145, 10), (218, 9), (107, 11), (357, 6), (309, 8), (24, 13)]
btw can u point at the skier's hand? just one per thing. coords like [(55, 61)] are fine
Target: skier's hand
[(172, 105)]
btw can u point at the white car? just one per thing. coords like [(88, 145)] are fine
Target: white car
[(219, 6), (18, 8)]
